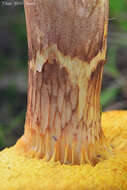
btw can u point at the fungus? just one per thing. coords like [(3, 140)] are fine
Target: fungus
[(64, 146)]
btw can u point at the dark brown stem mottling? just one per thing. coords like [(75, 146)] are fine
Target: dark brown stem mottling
[(67, 46), (75, 26)]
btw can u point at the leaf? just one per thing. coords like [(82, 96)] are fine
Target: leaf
[(109, 94)]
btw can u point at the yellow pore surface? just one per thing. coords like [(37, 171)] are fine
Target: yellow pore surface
[(20, 173)]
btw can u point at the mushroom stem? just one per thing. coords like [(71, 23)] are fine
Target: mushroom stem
[(67, 47)]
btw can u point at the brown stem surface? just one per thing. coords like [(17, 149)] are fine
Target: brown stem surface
[(67, 46)]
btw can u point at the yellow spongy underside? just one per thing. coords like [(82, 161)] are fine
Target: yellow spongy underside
[(20, 173)]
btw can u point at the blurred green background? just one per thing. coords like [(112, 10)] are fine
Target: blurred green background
[(13, 67)]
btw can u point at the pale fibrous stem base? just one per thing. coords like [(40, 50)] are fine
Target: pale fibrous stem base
[(63, 115)]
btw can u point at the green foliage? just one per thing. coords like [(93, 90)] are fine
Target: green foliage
[(6, 131), (118, 11), (118, 16), (109, 94), (117, 7)]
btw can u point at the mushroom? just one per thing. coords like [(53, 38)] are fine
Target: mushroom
[(64, 146)]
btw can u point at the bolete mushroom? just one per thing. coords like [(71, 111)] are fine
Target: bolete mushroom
[(64, 146)]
